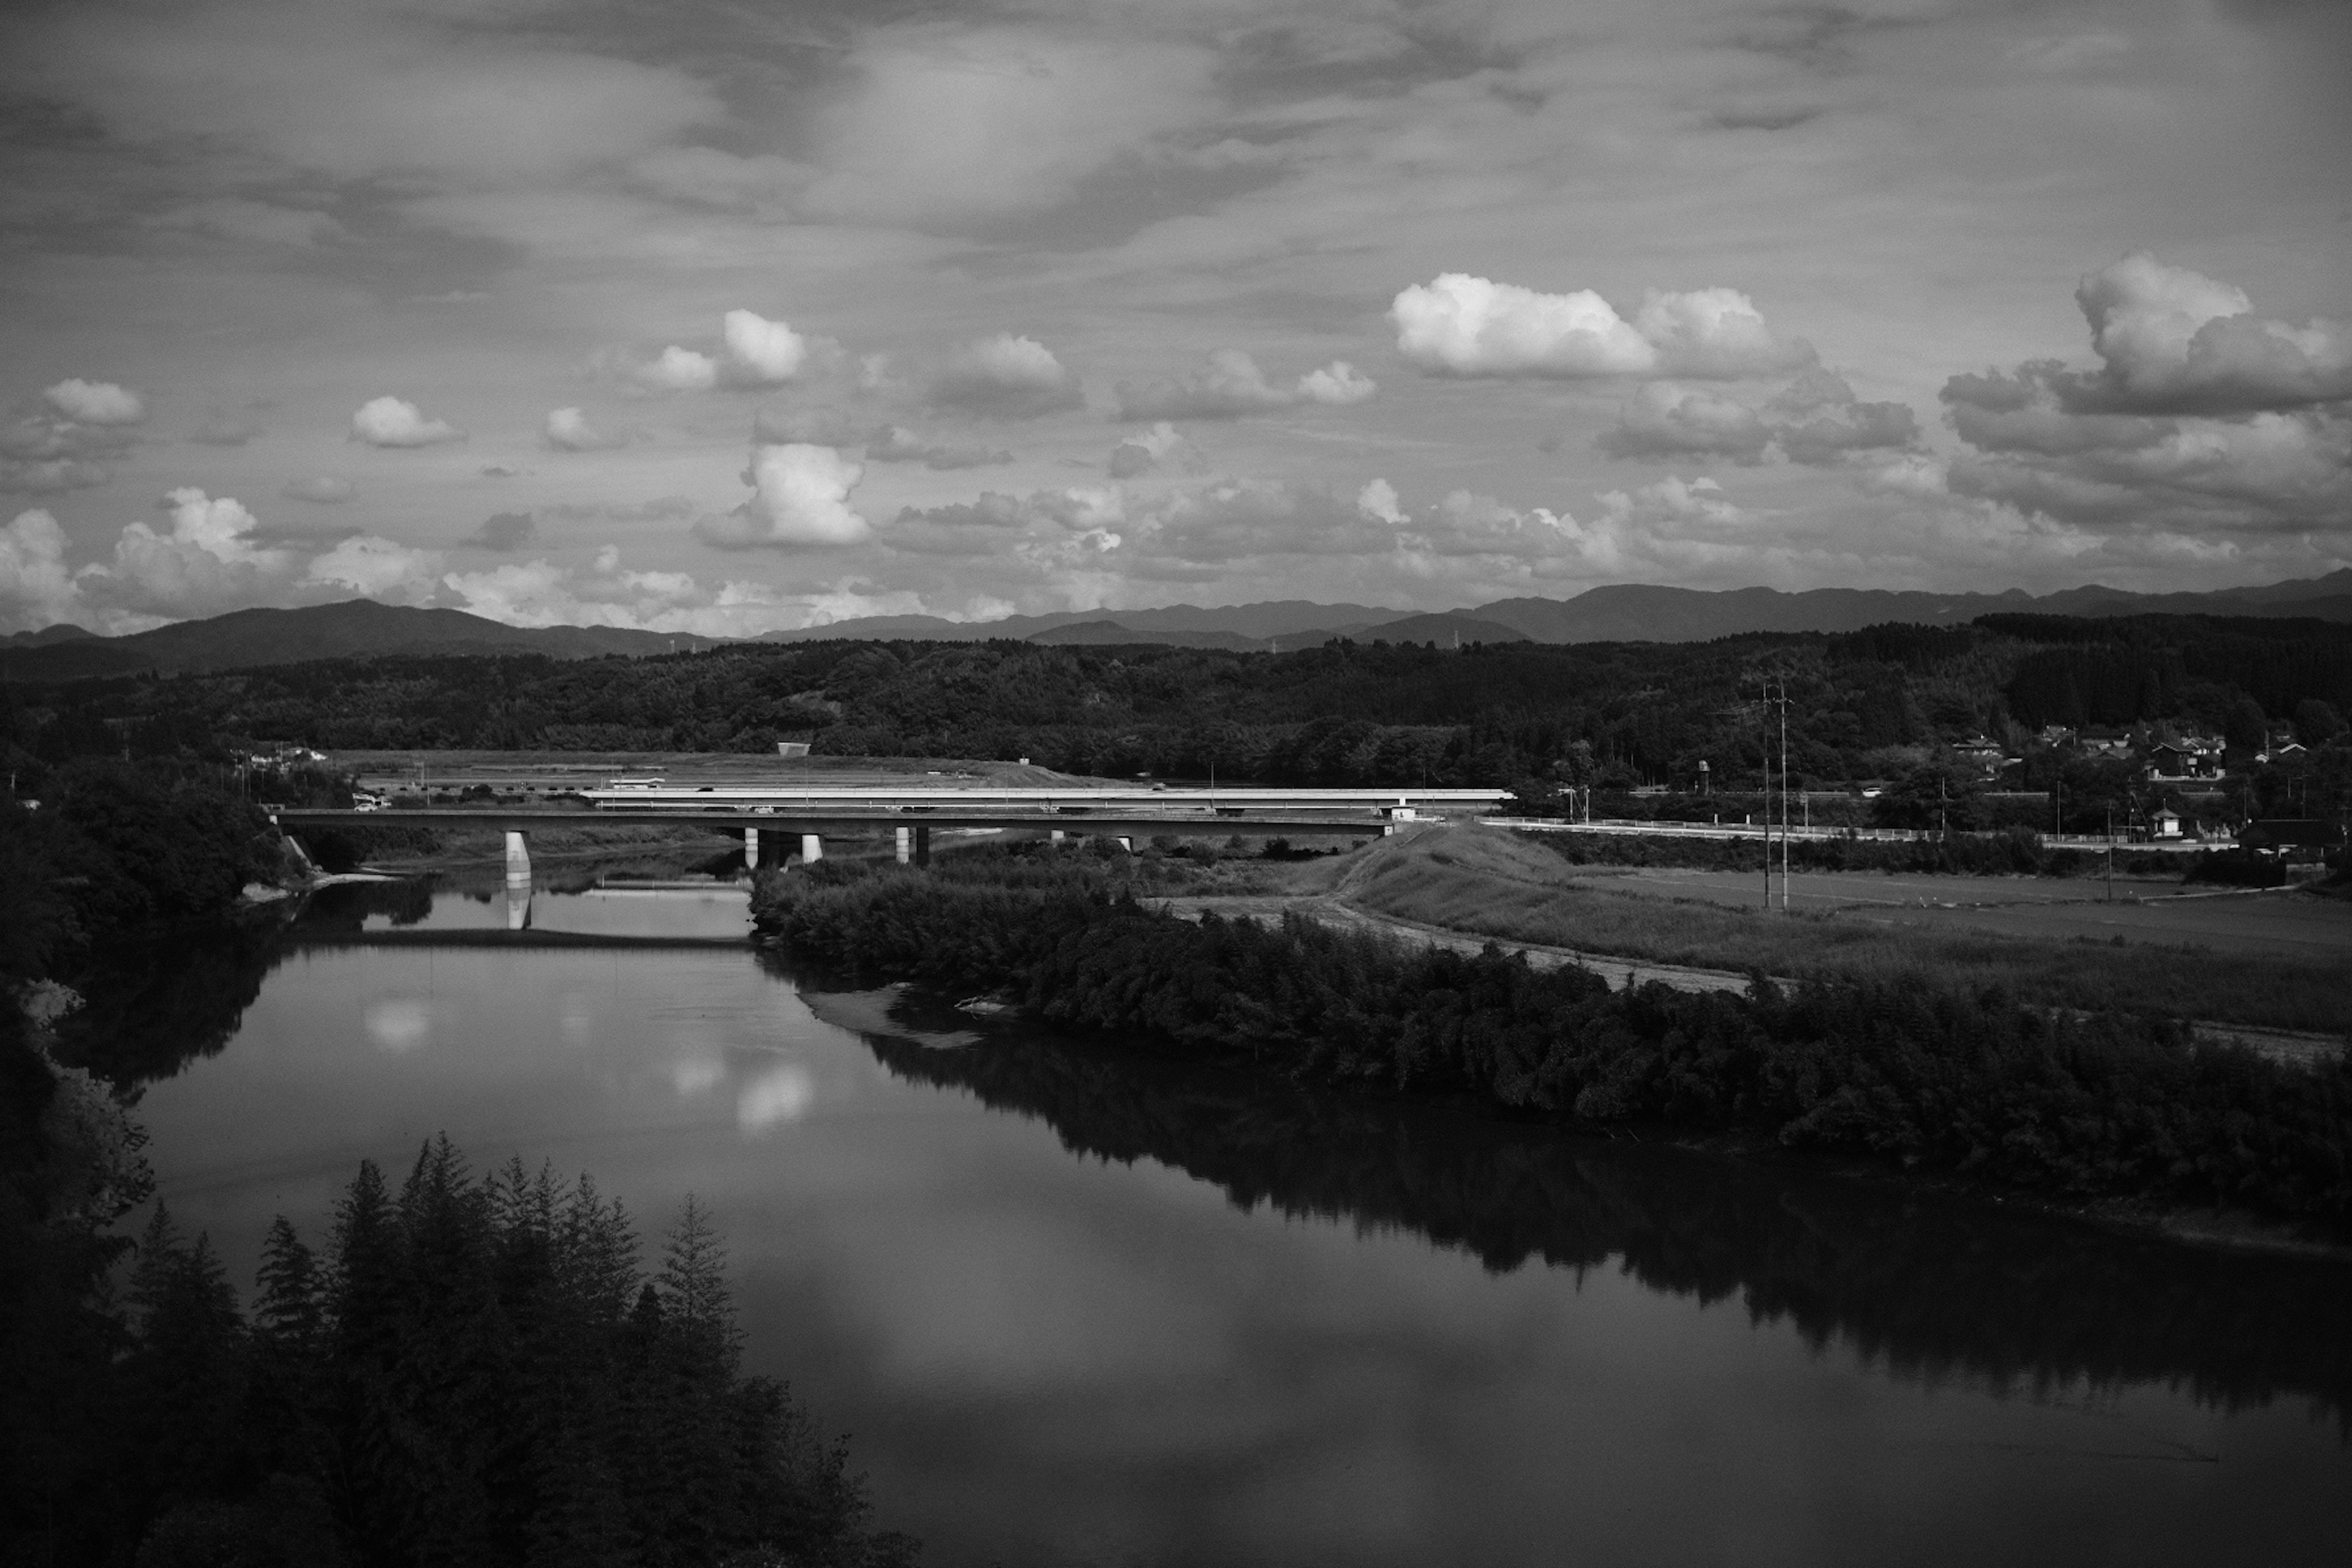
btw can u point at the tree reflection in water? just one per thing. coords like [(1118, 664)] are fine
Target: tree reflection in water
[(1932, 1286)]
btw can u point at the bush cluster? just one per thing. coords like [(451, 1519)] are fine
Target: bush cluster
[(1926, 1075)]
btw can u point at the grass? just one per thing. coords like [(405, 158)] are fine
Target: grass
[(1493, 883)]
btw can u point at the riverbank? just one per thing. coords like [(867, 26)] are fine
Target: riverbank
[(1931, 1079), (2254, 961)]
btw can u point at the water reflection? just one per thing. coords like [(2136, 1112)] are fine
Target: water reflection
[(1251, 1325), (1933, 1288)]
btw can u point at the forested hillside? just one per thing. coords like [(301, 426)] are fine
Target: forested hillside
[(1867, 703)]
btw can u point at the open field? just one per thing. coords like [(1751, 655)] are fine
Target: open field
[(2213, 963), (2275, 921)]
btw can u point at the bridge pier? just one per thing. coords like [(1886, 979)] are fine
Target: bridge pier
[(905, 838), (922, 845), (750, 850), (1056, 836), (812, 848), (518, 855), (1127, 843)]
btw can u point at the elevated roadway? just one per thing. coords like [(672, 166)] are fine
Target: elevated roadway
[(909, 827)]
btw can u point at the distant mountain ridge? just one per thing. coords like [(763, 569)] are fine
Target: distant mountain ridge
[(356, 628), (362, 628)]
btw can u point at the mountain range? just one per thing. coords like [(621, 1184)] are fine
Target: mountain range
[(1622, 613)]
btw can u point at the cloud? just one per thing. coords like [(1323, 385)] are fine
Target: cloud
[(767, 352), (1162, 444), (96, 402), (2175, 342), (540, 592), (1661, 420), (68, 440), (1230, 385), (1336, 385), (753, 353), (1007, 377), (897, 444), (678, 370), (800, 499), (568, 430), (2201, 417), (1377, 500), (259, 223), (1815, 420), (208, 561), (1462, 325), (377, 568), (503, 531), (322, 490), (395, 422), (950, 122), (659, 510), (35, 588)]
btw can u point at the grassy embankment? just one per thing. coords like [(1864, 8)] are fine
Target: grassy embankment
[(1932, 1075), (1493, 883)]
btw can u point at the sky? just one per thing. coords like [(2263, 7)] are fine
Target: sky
[(725, 315)]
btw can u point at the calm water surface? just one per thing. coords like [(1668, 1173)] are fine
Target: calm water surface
[(1073, 1310)]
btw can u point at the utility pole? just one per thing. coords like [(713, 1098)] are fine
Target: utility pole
[(1784, 795), (2110, 853)]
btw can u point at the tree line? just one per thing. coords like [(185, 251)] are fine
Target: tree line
[(1911, 1071), (1864, 704), (468, 1371)]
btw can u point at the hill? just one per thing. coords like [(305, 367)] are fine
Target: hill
[(357, 629)]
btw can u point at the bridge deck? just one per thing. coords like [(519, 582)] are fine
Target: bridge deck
[(843, 821)]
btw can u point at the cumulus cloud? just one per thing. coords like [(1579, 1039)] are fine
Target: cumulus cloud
[(800, 500), (680, 370), (767, 352), (1007, 377), (1336, 385), (209, 560), (503, 531), (753, 353), (35, 588), (395, 422), (1458, 324), (2176, 341), (540, 592), (322, 490), (568, 430), (897, 444), (1230, 385), (1377, 500), (1815, 420), (377, 568), (96, 402), (1162, 444), (2201, 417)]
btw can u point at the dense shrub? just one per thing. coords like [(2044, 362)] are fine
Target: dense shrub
[(1923, 1074)]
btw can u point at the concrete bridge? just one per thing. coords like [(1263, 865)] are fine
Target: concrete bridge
[(908, 827)]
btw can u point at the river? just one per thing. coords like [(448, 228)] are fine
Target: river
[(1074, 1307)]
